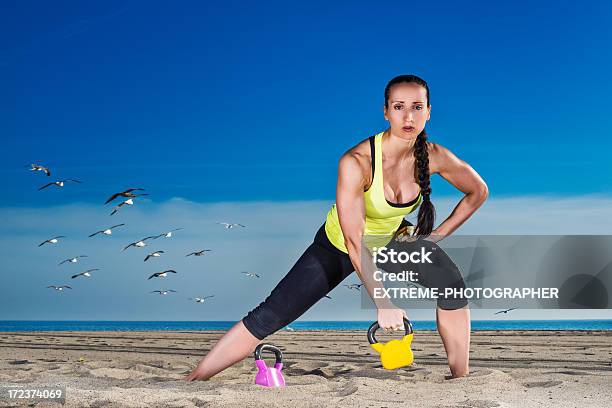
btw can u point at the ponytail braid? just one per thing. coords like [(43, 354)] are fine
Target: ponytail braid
[(427, 212)]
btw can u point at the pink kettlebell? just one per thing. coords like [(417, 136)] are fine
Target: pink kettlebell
[(269, 376)]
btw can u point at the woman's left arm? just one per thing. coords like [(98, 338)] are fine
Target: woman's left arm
[(465, 179)]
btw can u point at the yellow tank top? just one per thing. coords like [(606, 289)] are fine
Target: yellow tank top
[(382, 218)]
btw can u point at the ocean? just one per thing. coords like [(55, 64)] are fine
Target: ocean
[(68, 325)]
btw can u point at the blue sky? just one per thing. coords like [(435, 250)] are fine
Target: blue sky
[(276, 235), (252, 102), (256, 101)]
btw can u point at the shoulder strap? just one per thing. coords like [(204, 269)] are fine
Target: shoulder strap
[(373, 154)]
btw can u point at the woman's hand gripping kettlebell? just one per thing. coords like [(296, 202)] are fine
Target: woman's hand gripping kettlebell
[(390, 319)]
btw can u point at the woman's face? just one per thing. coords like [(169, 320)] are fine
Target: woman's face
[(407, 110)]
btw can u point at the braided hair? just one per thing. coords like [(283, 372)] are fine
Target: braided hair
[(427, 212)]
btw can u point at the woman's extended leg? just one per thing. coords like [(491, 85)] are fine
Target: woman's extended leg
[(320, 269), (454, 328), (233, 347)]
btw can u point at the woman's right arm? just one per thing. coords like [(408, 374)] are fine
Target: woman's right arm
[(351, 213)]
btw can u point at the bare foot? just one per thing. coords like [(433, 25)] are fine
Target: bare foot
[(195, 375), (234, 346)]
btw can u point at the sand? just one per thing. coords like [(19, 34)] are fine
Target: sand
[(322, 369)]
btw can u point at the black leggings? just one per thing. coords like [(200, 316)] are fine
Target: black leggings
[(319, 270)]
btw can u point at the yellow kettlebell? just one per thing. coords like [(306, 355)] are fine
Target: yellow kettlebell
[(395, 353)]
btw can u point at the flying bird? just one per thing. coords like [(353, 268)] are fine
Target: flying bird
[(163, 292), (36, 167), (107, 231), (169, 233), (59, 287), (73, 260), (129, 201), (87, 273), (201, 300), (155, 254), (199, 253), (139, 244), (252, 275), (505, 311), (355, 286), (127, 193), (59, 183), (229, 226), (161, 274), (53, 240)]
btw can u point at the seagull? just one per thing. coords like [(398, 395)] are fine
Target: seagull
[(201, 300), (229, 226), (59, 287), (169, 233), (86, 273), (355, 286), (161, 274), (252, 275), (72, 260), (139, 244), (36, 167), (107, 231), (505, 311), (129, 201), (127, 193), (59, 183), (51, 240), (163, 292), (155, 254), (199, 253)]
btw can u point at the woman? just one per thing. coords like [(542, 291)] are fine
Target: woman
[(375, 191)]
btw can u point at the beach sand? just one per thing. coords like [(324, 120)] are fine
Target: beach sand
[(322, 369)]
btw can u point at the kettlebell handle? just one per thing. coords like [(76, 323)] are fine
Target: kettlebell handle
[(270, 347), (375, 326)]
